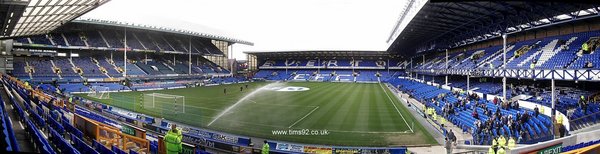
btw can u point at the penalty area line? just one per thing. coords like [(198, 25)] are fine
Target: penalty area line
[(313, 110)]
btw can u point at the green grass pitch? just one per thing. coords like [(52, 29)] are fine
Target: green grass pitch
[(349, 114)]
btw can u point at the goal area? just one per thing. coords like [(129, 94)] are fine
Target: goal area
[(99, 92), (165, 103)]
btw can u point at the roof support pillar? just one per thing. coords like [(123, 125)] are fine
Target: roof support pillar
[(468, 83), (318, 66), (286, 67), (422, 65), (125, 55), (446, 69), (410, 73), (190, 57), (553, 101), (388, 66), (504, 67)]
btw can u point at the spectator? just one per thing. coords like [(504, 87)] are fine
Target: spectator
[(501, 141), (588, 65), (581, 101), (173, 140), (584, 107), (451, 136), (491, 150), (504, 120), (561, 42), (495, 101), (501, 150), (511, 143), (448, 146), (562, 130), (495, 143), (445, 110), (475, 114), (488, 112), (521, 136), (498, 113), (559, 120), (265, 148), (536, 110), (524, 117), (585, 48), (504, 105), (511, 123), (478, 125)]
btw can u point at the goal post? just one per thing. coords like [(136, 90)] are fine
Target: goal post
[(167, 102), (99, 92)]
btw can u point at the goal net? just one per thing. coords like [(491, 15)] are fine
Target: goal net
[(99, 92), (165, 103)]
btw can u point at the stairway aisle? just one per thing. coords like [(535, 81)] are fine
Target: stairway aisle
[(25, 145)]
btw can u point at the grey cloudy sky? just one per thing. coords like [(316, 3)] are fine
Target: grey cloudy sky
[(273, 25)]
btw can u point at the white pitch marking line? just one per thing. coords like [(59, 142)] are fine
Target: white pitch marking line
[(313, 110), (193, 106), (391, 101)]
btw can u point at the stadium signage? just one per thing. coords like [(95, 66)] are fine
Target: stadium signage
[(214, 136), (553, 149), (128, 130), (289, 147), (197, 140), (35, 50), (313, 149), (188, 149), (337, 150)]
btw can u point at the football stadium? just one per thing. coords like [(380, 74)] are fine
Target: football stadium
[(490, 77)]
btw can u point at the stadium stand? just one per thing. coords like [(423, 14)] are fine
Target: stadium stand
[(342, 70), (158, 60), (561, 52), (9, 141), (458, 107), (567, 98), (53, 129)]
